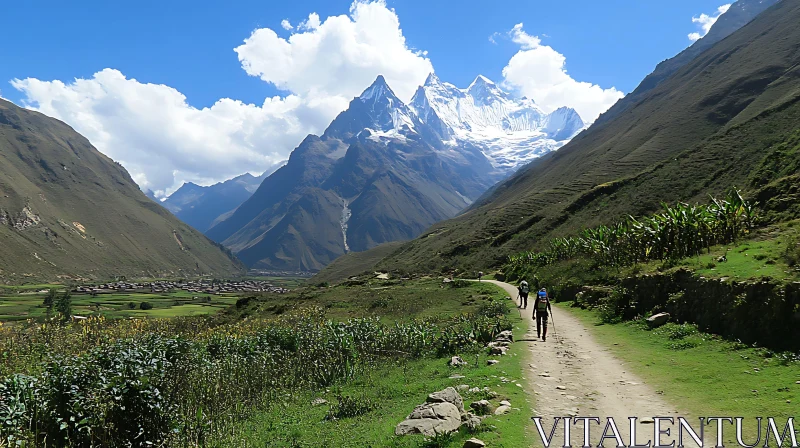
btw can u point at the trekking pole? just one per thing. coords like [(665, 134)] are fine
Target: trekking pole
[(555, 332)]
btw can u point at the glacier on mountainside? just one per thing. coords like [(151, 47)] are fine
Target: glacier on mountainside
[(509, 131)]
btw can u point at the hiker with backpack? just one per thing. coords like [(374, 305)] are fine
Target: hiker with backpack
[(541, 311), (523, 289)]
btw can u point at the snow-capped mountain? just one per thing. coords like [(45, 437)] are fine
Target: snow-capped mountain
[(377, 174), (508, 131)]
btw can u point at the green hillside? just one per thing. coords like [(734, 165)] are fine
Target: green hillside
[(69, 212), (730, 117)]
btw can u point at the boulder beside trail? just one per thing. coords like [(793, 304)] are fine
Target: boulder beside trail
[(498, 350), (449, 395), (430, 419), (502, 410), (443, 412), (658, 320), (506, 336)]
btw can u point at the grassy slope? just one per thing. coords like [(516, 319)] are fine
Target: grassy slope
[(398, 389), (722, 120), (94, 221), (354, 263), (388, 299), (713, 378)]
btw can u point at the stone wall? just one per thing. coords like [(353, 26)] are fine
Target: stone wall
[(765, 312)]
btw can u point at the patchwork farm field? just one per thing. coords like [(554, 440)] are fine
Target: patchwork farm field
[(27, 302), (29, 305)]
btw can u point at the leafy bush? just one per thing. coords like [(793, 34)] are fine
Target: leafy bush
[(459, 283), (440, 440), (50, 298), (131, 305), (495, 308), (612, 307), (791, 254), (676, 332), (348, 407), (145, 306), (16, 402)]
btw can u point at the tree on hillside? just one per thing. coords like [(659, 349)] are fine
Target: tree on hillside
[(50, 299), (64, 305)]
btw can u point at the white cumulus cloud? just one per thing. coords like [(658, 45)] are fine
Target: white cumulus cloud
[(286, 24), (539, 72), (163, 141), (338, 57), (705, 22)]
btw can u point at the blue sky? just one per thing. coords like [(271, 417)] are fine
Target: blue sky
[(188, 46)]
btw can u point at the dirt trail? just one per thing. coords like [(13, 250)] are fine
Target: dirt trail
[(573, 375)]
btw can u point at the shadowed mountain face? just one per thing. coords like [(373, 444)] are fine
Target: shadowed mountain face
[(67, 211), (377, 174), (201, 207), (729, 117)]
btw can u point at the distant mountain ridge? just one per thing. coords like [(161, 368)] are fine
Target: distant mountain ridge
[(201, 206)]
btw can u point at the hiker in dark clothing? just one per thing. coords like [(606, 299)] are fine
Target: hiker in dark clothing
[(541, 311), (523, 294)]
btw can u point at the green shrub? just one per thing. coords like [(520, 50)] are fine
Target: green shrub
[(439, 440), (459, 283), (17, 395), (145, 306), (131, 305), (677, 332), (348, 407), (495, 308), (791, 255), (612, 307), (50, 298)]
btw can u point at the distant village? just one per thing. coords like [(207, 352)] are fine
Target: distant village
[(199, 286)]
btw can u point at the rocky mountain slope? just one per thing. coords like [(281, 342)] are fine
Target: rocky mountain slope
[(68, 212), (201, 206), (729, 117)]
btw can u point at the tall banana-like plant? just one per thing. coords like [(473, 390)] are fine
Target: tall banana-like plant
[(678, 231)]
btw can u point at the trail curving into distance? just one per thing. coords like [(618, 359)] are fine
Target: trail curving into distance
[(573, 375)]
